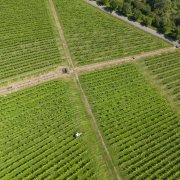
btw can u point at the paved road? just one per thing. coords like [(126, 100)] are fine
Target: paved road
[(136, 24)]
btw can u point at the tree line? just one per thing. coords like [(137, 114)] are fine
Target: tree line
[(164, 15)]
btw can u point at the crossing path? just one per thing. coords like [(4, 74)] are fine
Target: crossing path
[(84, 98), (57, 73)]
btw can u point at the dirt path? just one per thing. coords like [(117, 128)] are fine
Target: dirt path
[(34, 81), (100, 65), (84, 98), (61, 34), (134, 23), (76, 70)]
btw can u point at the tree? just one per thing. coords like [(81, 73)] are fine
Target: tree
[(157, 21), (160, 4), (105, 2), (162, 14), (143, 7), (126, 10), (147, 21), (177, 31), (116, 4), (166, 25), (137, 14)]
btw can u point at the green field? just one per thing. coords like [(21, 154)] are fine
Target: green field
[(37, 128), (165, 69), (128, 113), (93, 35), (28, 39), (138, 125)]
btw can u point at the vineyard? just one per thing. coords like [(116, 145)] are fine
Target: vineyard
[(138, 125), (29, 42), (81, 95), (37, 127), (94, 36), (166, 69)]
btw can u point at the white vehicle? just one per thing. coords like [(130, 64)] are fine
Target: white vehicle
[(77, 135)]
